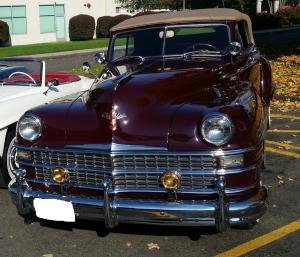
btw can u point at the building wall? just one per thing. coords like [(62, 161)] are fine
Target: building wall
[(95, 8)]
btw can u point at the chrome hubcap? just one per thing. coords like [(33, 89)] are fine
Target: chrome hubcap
[(11, 161)]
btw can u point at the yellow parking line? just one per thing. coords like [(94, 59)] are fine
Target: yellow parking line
[(284, 131), (261, 241), (285, 116), (282, 144), (282, 152)]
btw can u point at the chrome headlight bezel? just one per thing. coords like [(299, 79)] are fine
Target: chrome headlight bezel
[(36, 127), (224, 122)]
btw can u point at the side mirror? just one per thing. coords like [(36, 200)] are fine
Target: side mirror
[(100, 57), (235, 48), (86, 67), (53, 83)]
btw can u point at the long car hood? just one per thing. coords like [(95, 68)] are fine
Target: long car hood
[(156, 105), (143, 103)]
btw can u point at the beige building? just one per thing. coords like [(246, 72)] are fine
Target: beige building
[(38, 21)]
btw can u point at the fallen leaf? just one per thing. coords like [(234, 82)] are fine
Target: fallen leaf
[(274, 205), (153, 246), (128, 244), (290, 179)]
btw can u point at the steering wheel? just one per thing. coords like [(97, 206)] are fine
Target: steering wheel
[(199, 46), (22, 73)]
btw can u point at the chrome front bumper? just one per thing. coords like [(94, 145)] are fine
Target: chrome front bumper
[(113, 210)]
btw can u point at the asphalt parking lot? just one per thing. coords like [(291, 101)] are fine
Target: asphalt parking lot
[(276, 235)]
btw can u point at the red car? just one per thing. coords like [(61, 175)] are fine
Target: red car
[(172, 132)]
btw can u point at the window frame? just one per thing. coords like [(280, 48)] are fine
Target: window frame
[(54, 16), (11, 19)]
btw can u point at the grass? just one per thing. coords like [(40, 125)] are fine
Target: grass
[(54, 47), (96, 69)]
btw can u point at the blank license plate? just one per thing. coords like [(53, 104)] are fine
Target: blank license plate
[(52, 209)]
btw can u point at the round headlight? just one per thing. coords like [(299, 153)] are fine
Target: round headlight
[(30, 127), (217, 129)]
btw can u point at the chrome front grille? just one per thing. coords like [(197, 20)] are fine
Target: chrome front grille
[(74, 159), (152, 181), (124, 162), (130, 171), (76, 178)]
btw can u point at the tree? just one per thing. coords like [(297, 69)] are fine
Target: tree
[(144, 5)]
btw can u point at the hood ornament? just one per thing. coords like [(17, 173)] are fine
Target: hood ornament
[(113, 116)]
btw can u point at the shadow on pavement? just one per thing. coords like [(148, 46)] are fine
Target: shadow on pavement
[(193, 233)]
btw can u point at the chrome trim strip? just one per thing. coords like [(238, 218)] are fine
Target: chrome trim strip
[(113, 147), (144, 150), (116, 171), (205, 191)]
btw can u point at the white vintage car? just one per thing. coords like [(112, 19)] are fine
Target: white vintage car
[(24, 84)]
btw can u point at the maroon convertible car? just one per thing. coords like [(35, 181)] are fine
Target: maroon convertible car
[(171, 132)]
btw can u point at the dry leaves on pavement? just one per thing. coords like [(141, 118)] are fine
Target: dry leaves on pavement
[(286, 76)]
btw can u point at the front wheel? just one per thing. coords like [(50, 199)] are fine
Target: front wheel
[(9, 164)]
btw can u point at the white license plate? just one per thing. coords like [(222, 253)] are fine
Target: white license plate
[(52, 209)]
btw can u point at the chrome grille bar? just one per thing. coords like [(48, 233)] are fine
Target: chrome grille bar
[(128, 171)]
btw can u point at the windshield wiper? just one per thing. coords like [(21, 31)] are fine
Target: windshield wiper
[(197, 53)]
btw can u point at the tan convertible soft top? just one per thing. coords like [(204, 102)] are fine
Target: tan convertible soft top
[(188, 16)]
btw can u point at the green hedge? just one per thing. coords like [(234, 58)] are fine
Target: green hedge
[(118, 19), (103, 26), (4, 34), (81, 27)]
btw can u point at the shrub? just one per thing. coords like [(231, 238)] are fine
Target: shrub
[(4, 34), (266, 21), (118, 19), (290, 15), (143, 13), (103, 26), (81, 27)]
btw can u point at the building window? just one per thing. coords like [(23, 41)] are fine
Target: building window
[(118, 9), (15, 17), (48, 14)]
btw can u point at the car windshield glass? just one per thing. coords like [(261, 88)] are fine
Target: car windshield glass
[(209, 39), (144, 43), (16, 72), (178, 40)]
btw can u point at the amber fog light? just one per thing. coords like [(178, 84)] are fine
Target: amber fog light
[(171, 180), (60, 175)]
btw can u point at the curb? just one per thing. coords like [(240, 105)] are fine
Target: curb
[(61, 54)]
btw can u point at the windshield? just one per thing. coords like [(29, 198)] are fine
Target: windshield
[(19, 72), (171, 40)]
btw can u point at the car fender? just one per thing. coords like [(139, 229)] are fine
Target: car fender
[(3, 132), (267, 86)]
